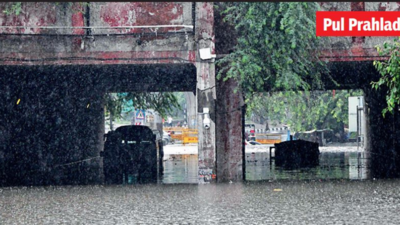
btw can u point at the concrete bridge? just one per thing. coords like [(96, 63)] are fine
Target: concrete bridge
[(57, 60)]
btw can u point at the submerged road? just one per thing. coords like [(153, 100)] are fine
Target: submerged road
[(335, 162), (292, 202), (337, 191)]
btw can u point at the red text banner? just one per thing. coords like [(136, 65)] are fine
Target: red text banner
[(365, 23)]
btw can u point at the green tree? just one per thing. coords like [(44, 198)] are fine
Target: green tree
[(15, 8), (275, 47), (177, 110), (305, 110), (276, 52), (113, 107), (161, 102), (390, 73)]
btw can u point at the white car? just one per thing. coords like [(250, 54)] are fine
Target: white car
[(252, 143)]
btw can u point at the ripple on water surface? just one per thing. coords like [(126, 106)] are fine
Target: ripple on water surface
[(282, 202)]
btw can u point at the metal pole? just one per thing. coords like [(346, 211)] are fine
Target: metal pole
[(361, 134), (357, 129), (243, 142)]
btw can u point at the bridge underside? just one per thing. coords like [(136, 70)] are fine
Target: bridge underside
[(350, 75), (53, 116), (132, 77), (382, 132)]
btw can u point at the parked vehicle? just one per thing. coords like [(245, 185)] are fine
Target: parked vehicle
[(131, 154), (322, 137), (296, 153)]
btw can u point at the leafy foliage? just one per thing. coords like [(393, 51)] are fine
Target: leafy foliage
[(114, 104), (176, 111), (161, 102), (14, 8), (304, 110), (275, 46), (390, 73), (275, 52)]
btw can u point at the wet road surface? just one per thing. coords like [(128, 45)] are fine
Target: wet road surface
[(337, 191), (277, 202)]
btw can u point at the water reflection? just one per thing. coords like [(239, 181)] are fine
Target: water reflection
[(332, 166), (180, 169)]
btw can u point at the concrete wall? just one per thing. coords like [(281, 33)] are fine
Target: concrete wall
[(53, 132), (52, 33)]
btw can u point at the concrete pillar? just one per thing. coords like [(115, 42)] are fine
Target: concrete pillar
[(382, 132), (90, 168), (205, 91), (229, 127), (97, 163), (191, 110), (367, 135)]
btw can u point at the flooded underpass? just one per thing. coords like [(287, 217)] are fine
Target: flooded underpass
[(214, 76), (332, 165), (335, 163), (337, 191)]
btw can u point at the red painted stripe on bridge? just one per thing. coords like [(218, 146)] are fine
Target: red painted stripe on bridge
[(77, 18), (358, 24), (355, 53)]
